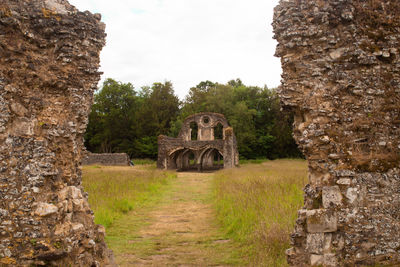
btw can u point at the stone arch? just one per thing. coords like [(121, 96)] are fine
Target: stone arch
[(174, 158), (207, 158), (183, 159), (172, 152), (189, 160)]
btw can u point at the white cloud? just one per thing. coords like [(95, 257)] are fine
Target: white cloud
[(187, 41)]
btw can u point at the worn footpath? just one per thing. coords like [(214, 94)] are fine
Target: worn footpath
[(180, 229)]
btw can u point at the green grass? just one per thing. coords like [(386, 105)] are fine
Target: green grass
[(144, 161), (115, 190), (252, 161), (257, 207)]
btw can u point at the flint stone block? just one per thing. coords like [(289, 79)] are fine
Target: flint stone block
[(316, 260), (315, 243), (331, 195), (344, 181), (320, 221), (352, 194), (45, 209), (70, 192), (3, 213), (330, 260)]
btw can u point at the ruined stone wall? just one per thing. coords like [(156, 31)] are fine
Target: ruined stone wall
[(111, 159), (173, 153), (341, 76), (49, 57)]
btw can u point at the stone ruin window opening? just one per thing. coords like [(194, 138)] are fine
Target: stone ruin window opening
[(218, 131), (192, 162), (194, 129), (218, 160), (211, 160), (206, 120)]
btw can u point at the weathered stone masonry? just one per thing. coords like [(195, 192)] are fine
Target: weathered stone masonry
[(107, 159), (341, 66), (49, 57), (174, 153)]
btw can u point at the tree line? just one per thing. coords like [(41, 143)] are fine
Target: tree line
[(124, 119)]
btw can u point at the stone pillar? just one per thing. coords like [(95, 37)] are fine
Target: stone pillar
[(49, 57), (229, 148), (341, 77), (162, 160)]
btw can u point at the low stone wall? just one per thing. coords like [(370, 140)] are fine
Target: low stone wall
[(110, 159)]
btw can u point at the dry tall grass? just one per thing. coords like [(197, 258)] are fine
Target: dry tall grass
[(115, 190), (257, 205)]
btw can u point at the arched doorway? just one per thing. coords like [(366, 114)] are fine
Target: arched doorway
[(211, 159)]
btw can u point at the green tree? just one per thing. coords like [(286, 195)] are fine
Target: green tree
[(123, 120), (111, 118), (262, 130), (160, 107)]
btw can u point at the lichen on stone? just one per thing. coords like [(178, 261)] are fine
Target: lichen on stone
[(49, 59), (341, 77)]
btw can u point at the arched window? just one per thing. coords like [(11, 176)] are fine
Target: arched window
[(194, 130), (218, 131)]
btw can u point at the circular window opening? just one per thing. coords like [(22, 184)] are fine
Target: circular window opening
[(206, 120)]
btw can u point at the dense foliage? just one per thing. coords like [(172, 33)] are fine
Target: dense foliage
[(126, 120)]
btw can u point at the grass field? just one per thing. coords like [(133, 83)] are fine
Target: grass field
[(116, 190), (250, 213), (257, 206)]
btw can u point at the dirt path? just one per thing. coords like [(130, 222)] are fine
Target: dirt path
[(180, 230)]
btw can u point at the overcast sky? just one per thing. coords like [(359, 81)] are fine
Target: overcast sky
[(187, 41)]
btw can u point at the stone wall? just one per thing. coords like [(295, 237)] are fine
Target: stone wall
[(341, 76), (111, 159), (49, 57)]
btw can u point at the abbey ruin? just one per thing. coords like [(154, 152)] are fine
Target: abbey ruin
[(201, 152), (49, 59), (341, 77)]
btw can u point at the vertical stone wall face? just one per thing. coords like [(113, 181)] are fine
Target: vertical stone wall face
[(49, 57), (107, 159), (341, 76)]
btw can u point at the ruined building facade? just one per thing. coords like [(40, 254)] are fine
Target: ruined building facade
[(49, 59), (215, 142), (341, 77)]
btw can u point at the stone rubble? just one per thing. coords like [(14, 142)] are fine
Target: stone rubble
[(49, 59), (340, 61)]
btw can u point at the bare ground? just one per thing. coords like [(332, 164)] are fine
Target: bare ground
[(179, 230)]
